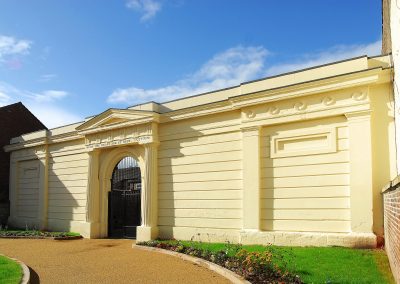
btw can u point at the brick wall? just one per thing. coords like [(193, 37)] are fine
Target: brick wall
[(391, 199)]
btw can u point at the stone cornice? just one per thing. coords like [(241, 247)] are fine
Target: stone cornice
[(355, 79), (350, 80), (43, 141), (113, 119), (358, 115), (25, 144), (65, 137)]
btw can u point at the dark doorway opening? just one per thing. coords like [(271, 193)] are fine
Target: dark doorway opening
[(124, 199)]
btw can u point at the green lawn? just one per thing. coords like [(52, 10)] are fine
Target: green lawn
[(324, 264), (10, 271)]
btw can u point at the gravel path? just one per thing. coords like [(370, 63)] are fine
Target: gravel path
[(102, 261)]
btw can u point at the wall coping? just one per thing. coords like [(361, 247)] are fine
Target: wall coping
[(392, 185)]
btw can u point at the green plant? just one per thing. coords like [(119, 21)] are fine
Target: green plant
[(257, 267), (312, 264), (35, 233)]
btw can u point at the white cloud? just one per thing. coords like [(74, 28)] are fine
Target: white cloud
[(48, 96), (228, 68), (52, 115), (234, 66), (12, 46), (42, 104), (10, 92), (148, 8), (47, 77), (4, 99), (335, 53)]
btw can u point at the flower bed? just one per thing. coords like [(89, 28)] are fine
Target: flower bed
[(256, 267), (35, 234)]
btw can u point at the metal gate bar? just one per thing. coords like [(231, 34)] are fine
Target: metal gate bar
[(124, 199)]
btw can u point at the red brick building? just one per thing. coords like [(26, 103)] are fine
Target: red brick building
[(15, 120)]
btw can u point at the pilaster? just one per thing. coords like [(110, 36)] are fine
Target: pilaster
[(361, 186), (149, 200), (251, 178), (43, 188), (13, 188), (93, 194)]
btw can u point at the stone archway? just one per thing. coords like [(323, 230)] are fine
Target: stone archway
[(108, 160), (101, 165)]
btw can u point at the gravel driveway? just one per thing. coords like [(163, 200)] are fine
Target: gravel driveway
[(102, 261)]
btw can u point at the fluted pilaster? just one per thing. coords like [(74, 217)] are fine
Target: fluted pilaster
[(149, 192), (148, 230), (92, 193)]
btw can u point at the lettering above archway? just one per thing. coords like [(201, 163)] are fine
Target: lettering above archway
[(120, 127)]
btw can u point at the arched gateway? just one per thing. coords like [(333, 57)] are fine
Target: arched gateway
[(122, 184), (124, 214)]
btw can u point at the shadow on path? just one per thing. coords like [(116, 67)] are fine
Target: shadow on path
[(35, 279)]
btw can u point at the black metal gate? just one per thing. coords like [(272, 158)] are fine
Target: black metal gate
[(124, 199)]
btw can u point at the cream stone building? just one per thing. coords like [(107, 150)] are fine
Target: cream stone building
[(391, 45), (295, 159)]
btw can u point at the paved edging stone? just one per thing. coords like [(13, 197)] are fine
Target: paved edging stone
[(26, 274), (230, 275)]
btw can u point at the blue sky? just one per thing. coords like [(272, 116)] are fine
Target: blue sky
[(69, 59)]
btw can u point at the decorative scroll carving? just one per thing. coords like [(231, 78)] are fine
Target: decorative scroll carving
[(273, 110), (359, 96), (328, 101), (300, 106), (308, 107), (250, 114)]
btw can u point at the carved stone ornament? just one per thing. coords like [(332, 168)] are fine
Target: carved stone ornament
[(136, 134), (328, 101), (359, 96), (273, 110), (250, 114), (139, 140), (300, 106)]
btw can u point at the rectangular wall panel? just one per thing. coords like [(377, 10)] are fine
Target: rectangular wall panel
[(28, 191), (305, 177)]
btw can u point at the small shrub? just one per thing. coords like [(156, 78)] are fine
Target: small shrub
[(34, 233), (257, 267)]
